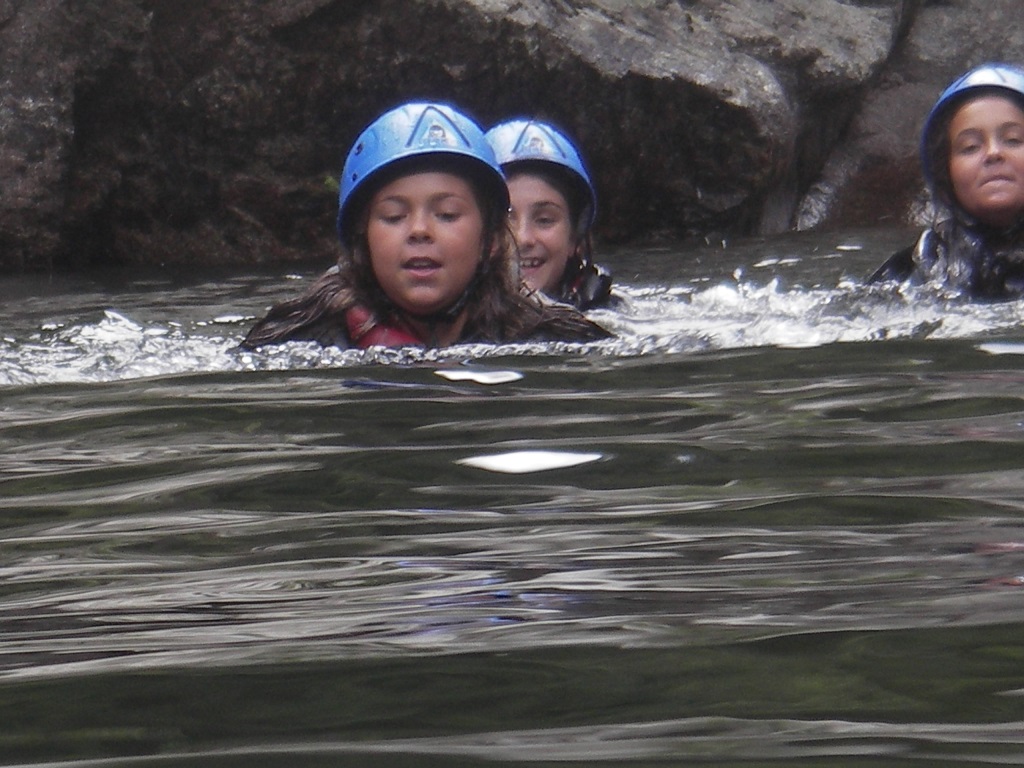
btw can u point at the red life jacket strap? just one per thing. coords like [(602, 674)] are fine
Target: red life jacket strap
[(365, 330)]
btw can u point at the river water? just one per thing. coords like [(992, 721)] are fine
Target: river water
[(778, 521)]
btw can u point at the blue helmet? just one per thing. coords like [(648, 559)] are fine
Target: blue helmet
[(416, 129), (986, 77), (524, 140)]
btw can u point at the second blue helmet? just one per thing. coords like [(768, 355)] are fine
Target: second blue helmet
[(416, 129), (523, 140)]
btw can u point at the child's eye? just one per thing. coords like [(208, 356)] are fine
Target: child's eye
[(388, 214), (449, 215), (547, 218)]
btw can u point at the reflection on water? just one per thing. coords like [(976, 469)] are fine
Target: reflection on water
[(776, 522)]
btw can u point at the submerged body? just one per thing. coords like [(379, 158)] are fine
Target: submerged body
[(981, 262), (323, 314)]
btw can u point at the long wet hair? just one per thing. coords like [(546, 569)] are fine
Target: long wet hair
[(498, 308)]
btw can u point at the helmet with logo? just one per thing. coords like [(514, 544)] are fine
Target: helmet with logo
[(424, 130), (994, 78), (533, 141)]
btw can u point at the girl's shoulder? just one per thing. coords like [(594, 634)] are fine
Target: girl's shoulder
[(316, 315), (904, 262)]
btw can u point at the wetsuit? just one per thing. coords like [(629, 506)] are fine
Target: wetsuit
[(585, 285), (983, 262)]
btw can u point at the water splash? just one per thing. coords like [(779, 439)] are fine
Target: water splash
[(781, 293)]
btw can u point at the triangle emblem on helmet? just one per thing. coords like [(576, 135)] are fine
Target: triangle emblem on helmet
[(436, 129), (536, 141)]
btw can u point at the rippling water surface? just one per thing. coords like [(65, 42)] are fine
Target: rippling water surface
[(777, 521)]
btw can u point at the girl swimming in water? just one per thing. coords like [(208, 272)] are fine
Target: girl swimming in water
[(427, 256), (972, 154), (553, 209)]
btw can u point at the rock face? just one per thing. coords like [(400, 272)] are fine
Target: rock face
[(162, 132)]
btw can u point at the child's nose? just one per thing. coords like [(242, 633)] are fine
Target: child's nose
[(523, 232), (993, 147), (419, 225)]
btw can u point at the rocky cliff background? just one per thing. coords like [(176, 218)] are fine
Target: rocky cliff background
[(212, 133)]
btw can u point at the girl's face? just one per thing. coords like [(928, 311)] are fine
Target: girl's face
[(425, 233), (986, 159), (542, 225)]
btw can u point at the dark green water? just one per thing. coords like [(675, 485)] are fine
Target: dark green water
[(794, 535)]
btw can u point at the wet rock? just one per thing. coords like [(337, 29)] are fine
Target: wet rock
[(161, 132), (50, 52)]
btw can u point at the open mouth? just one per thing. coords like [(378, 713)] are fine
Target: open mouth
[(421, 264), (531, 263)]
